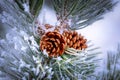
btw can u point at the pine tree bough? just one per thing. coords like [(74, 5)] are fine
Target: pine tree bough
[(81, 13), (22, 52)]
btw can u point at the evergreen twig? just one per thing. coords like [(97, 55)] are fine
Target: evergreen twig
[(81, 12)]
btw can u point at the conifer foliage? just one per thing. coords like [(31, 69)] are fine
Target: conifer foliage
[(27, 53), (81, 13)]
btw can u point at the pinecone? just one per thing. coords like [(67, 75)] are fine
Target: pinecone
[(54, 43), (74, 40)]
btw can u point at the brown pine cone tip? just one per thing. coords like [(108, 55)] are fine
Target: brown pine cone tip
[(57, 28), (54, 43), (74, 40), (48, 26)]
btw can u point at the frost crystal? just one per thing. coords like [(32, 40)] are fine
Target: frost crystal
[(45, 52), (58, 58), (23, 48), (26, 7), (20, 54)]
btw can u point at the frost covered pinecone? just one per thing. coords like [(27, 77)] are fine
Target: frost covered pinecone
[(53, 43), (74, 40)]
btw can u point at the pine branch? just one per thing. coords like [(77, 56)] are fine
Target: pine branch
[(22, 59), (34, 6), (112, 67), (81, 12)]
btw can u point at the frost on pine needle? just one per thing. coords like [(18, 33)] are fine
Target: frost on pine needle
[(32, 43), (28, 62), (22, 57), (58, 58), (26, 7), (45, 53), (111, 64)]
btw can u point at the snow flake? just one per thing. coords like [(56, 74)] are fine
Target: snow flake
[(22, 63), (33, 69), (37, 70), (16, 46), (33, 42), (45, 52), (24, 78), (23, 48), (82, 21), (58, 58), (49, 70), (26, 7), (46, 67)]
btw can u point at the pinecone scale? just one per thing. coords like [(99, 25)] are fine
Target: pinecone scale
[(74, 40)]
